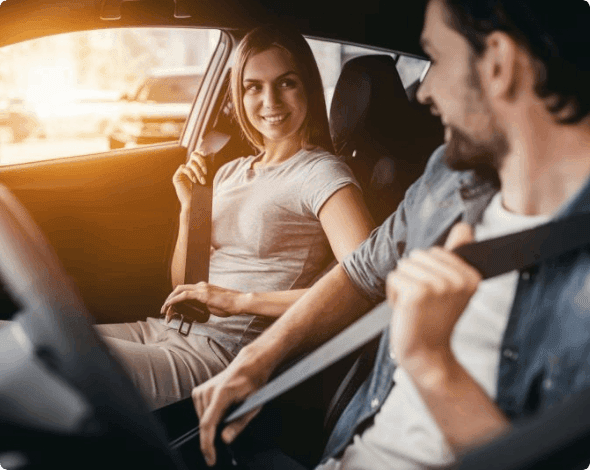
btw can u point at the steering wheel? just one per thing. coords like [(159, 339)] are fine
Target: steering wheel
[(64, 400)]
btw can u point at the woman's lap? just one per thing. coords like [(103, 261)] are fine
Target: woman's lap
[(163, 364), (145, 332)]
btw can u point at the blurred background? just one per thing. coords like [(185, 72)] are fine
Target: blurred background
[(88, 92)]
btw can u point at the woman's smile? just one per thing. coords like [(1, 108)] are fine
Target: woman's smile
[(276, 118), (274, 97)]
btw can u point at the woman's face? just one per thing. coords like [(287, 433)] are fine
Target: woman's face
[(274, 98)]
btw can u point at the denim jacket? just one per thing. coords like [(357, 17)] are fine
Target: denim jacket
[(545, 353)]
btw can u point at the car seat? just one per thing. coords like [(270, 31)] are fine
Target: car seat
[(384, 138)]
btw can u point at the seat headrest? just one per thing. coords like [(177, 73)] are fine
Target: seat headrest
[(370, 108)]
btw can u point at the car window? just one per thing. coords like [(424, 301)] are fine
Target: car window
[(87, 92), (171, 89), (331, 56)]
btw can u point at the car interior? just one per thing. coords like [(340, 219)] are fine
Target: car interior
[(88, 237)]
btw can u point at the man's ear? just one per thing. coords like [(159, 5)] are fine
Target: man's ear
[(501, 67)]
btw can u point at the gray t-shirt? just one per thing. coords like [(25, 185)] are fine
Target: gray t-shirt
[(266, 235)]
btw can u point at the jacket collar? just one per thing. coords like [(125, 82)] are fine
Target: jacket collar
[(468, 197), (579, 204)]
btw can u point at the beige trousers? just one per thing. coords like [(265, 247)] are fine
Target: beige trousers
[(163, 364)]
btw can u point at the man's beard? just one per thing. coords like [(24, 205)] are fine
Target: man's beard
[(483, 155)]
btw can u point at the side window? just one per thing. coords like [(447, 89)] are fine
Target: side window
[(87, 92), (331, 56), (411, 69)]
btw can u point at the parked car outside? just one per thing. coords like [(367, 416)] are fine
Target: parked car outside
[(157, 110), (19, 119)]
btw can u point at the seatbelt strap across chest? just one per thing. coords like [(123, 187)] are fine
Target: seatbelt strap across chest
[(491, 258), (199, 234)]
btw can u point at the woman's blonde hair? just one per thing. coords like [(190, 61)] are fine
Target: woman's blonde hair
[(315, 127)]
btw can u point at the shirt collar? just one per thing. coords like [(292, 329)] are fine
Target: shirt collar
[(475, 194), (579, 204)]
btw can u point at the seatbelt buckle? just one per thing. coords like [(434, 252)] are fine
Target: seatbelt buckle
[(185, 323), (192, 310), (188, 312)]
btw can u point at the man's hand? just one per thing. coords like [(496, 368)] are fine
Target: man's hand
[(330, 305), (213, 398), (428, 293)]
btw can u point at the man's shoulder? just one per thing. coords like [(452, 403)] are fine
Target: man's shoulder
[(437, 167)]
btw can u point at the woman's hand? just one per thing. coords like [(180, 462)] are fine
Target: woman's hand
[(428, 293), (220, 301), (195, 170)]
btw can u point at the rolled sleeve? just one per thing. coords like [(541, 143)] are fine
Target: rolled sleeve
[(368, 266)]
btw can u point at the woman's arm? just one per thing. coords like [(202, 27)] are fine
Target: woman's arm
[(346, 221), (178, 267)]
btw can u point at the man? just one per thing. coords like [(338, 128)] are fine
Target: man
[(463, 357)]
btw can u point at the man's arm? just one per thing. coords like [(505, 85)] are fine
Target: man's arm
[(428, 293), (328, 307)]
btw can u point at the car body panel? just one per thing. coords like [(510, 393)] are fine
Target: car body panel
[(111, 221)]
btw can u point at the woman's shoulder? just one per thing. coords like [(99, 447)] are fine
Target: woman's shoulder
[(317, 156), (320, 160), (318, 153)]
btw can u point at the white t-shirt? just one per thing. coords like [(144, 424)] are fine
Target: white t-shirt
[(404, 435), (266, 233)]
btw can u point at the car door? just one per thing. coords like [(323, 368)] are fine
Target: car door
[(110, 215)]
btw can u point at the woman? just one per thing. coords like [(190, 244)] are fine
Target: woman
[(275, 217)]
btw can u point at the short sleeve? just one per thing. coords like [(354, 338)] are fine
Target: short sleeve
[(325, 176)]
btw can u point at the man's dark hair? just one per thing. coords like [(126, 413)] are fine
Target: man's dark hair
[(557, 35)]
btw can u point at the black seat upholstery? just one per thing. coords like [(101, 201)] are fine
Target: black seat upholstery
[(385, 139)]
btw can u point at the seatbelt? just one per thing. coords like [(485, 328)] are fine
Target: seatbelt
[(491, 258), (199, 234)]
